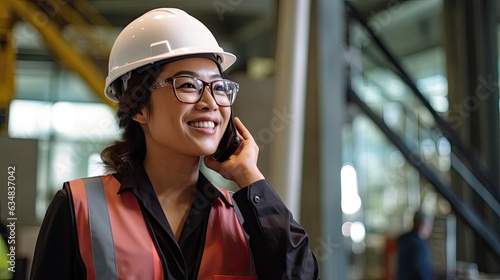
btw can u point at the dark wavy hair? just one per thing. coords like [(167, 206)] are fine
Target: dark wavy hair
[(122, 155)]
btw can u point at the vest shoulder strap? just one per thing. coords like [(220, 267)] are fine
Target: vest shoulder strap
[(226, 247), (111, 231)]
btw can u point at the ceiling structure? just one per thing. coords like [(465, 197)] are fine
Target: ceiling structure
[(245, 28), (248, 28)]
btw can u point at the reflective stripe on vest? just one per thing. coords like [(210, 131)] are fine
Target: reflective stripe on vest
[(111, 231)]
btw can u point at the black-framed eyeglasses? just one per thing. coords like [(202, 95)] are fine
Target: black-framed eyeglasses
[(189, 89)]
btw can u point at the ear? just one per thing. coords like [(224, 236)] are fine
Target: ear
[(141, 117)]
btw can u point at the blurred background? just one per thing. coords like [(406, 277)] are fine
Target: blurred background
[(364, 111)]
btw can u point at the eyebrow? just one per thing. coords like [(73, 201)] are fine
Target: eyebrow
[(194, 74)]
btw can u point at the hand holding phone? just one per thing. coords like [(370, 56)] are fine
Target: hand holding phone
[(242, 169), (229, 142)]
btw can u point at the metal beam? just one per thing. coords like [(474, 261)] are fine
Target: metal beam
[(7, 60), (96, 45), (472, 61), (291, 62), (91, 13), (62, 48), (330, 16), (462, 209)]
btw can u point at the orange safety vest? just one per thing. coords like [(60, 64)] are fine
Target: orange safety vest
[(111, 236)]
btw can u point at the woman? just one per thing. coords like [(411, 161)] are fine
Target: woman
[(156, 216)]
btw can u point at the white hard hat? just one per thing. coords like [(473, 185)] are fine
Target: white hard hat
[(160, 34)]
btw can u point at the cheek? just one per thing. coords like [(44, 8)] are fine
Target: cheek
[(160, 117), (226, 114), (163, 108)]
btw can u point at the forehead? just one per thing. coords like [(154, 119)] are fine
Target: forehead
[(199, 67)]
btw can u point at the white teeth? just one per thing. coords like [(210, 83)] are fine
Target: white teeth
[(202, 124)]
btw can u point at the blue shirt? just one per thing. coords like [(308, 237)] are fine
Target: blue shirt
[(413, 258)]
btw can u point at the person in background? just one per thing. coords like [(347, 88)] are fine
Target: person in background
[(413, 253), (156, 216)]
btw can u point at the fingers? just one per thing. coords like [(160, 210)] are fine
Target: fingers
[(211, 163), (243, 131)]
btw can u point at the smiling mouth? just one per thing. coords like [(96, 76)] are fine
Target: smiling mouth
[(202, 124)]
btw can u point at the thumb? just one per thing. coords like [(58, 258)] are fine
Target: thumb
[(211, 163)]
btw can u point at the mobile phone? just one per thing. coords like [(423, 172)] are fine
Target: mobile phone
[(229, 142)]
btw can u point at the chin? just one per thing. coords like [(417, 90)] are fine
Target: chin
[(208, 151)]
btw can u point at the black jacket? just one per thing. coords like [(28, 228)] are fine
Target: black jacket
[(280, 247)]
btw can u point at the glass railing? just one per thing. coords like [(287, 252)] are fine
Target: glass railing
[(410, 115)]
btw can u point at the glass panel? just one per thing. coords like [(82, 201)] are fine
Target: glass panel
[(389, 187), (29, 119), (34, 80), (83, 121), (62, 120)]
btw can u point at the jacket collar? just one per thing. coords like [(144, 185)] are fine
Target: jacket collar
[(138, 183)]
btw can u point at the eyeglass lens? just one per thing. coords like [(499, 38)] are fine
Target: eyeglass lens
[(190, 90)]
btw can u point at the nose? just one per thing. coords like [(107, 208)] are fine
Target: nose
[(207, 101)]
